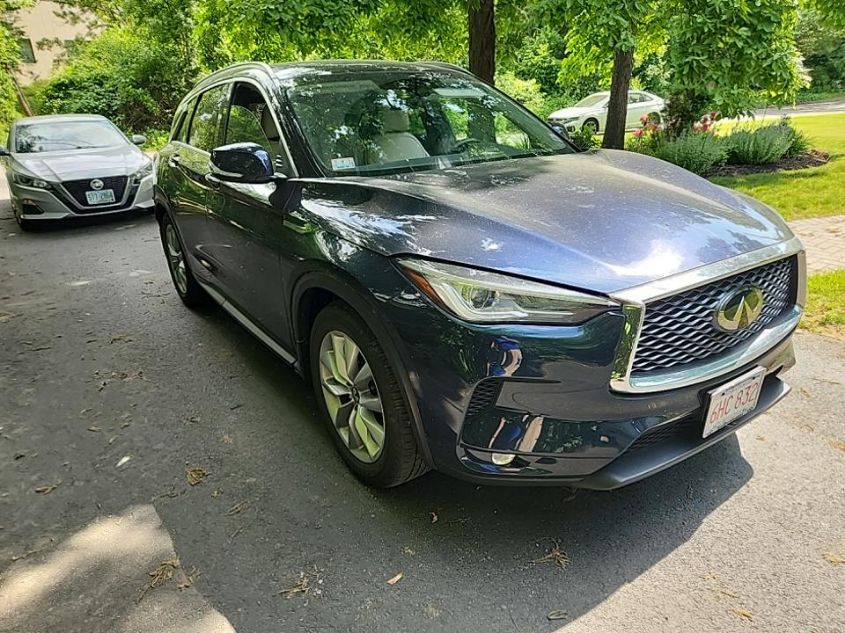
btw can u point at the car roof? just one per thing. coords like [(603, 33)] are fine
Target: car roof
[(355, 66), (59, 118), (288, 71)]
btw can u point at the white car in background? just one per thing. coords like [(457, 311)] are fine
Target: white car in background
[(591, 111)]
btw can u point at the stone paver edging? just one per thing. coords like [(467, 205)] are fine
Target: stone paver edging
[(824, 239)]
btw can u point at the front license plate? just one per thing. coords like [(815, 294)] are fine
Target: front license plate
[(104, 196), (733, 400)]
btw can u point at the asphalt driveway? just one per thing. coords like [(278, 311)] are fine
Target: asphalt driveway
[(114, 396)]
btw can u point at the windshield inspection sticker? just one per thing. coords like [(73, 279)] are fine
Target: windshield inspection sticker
[(347, 162)]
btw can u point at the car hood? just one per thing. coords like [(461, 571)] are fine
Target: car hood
[(574, 112), (82, 163), (602, 221)]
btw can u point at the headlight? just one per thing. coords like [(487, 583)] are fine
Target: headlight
[(145, 171), (479, 296), (29, 181)]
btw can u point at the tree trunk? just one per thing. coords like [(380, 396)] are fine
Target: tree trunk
[(617, 107), (482, 39)]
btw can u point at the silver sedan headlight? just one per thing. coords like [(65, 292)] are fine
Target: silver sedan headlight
[(146, 170), (479, 296), (29, 181)]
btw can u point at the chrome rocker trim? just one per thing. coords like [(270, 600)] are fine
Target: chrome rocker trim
[(245, 321), (634, 302)]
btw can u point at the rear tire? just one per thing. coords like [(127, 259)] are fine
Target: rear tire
[(381, 448), (189, 291)]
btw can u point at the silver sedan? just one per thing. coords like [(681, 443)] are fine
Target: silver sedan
[(67, 166)]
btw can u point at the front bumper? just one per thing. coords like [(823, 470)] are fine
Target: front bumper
[(35, 204), (544, 394)]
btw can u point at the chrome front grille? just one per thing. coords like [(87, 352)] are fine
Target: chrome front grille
[(77, 189), (681, 329)]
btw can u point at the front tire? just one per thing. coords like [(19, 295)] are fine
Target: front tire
[(592, 125), (360, 399), (189, 291)]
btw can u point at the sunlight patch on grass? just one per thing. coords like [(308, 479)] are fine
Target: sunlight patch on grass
[(825, 310), (805, 193)]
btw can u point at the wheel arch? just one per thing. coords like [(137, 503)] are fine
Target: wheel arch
[(316, 289)]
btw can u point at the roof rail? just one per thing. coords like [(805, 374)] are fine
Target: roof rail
[(228, 69)]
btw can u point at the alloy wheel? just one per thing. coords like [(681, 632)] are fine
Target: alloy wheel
[(351, 396), (176, 258)]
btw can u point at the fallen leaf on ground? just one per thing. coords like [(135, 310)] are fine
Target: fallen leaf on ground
[(434, 517), (556, 556), (745, 614), (25, 555), (408, 551), (195, 475), (238, 508), (190, 577), (226, 439), (395, 579), (304, 585), (557, 614), (94, 429), (838, 444), (45, 490), (123, 460), (159, 576), (834, 559)]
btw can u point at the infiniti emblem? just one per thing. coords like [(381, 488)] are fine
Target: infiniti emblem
[(96, 184), (739, 309)]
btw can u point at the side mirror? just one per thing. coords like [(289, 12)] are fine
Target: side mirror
[(4, 151), (248, 163), (560, 130), (138, 139)]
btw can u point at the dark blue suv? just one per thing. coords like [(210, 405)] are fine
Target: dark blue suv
[(465, 290)]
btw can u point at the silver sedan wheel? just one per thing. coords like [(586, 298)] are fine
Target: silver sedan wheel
[(351, 396), (175, 258)]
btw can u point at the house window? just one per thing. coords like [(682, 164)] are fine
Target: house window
[(27, 54)]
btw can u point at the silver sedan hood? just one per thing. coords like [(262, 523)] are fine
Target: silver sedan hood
[(122, 160)]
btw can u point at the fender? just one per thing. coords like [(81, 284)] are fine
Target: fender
[(341, 284)]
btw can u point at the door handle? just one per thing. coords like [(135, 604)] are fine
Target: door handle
[(297, 223), (213, 181), (173, 161)]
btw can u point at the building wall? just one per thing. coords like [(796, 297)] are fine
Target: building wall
[(41, 22)]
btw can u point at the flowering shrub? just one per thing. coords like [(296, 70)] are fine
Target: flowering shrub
[(697, 149)]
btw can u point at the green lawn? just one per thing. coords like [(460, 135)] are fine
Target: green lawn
[(805, 193), (826, 304)]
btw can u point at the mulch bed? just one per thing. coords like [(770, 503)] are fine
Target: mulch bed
[(811, 158)]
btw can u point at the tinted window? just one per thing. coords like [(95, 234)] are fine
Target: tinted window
[(251, 121), (206, 122), (63, 135)]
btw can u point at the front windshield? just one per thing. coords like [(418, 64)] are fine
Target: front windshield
[(388, 122), (57, 136), (592, 100)]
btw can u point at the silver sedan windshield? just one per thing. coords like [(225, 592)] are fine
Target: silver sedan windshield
[(55, 136)]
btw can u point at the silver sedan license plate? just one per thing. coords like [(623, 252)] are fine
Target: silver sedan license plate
[(733, 400), (104, 196)]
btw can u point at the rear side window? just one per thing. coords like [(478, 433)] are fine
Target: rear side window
[(207, 122)]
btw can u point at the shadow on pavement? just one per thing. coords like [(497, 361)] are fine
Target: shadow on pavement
[(467, 553)]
